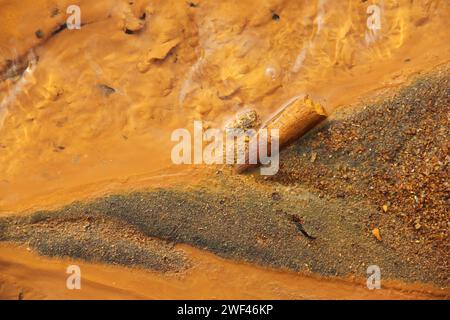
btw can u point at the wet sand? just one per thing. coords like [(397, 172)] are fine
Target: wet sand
[(248, 216), (245, 221), (87, 115)]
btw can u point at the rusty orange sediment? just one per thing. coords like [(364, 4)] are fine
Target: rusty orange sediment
[(293, 120), (210, 277)]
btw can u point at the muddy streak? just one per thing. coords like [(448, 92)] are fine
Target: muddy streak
[(210, 278)]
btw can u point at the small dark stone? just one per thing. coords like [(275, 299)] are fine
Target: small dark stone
[(276, 196), (106, 90), (275, 17), (39, 34)]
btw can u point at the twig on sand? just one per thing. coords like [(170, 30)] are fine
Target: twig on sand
[(299, 224)]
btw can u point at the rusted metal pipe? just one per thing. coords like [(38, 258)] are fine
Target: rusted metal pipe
[(293, 120)]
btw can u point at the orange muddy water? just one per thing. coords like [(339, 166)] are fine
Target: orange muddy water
[(92, 111), (61, 133), (35, 277)]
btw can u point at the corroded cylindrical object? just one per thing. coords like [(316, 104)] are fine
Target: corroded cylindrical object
[(294, 120)]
